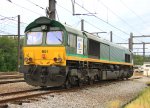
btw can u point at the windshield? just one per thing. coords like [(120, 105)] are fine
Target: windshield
[(34, 38), (54, 37)]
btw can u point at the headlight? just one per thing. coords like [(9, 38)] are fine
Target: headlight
[(59, 59), (26, 59), (30, 59)]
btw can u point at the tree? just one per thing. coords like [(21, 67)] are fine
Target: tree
[(139, 60), (8, 54)]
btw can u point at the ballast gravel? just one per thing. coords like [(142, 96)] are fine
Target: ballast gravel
[(91, 97), (13, 87)]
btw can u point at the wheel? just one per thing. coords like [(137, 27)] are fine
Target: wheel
[(96, 78), (128, 76), (67, 84), (80, 83), (122, 77), (90, 81)]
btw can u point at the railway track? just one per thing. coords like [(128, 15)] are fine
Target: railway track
[(10, 77), (9, 73), (27, 94), (34, 93), (11, 81)]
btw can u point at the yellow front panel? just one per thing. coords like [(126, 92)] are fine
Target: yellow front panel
[(44, 55)]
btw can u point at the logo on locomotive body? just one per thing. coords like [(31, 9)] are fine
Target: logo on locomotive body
[(79, 45)]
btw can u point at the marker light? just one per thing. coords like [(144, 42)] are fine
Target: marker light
[(55, 59), (44, 27)]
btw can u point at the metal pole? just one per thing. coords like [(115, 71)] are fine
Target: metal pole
[(131, 44), (18, 42), (111, 37), (143, 51), (52, 9), (131, 41), (73, 11), (82, 25)]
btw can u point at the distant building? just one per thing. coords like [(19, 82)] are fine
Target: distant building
[(137, 68), (146, 69)]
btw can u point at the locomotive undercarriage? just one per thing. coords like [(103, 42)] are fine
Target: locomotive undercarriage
[(44, 76), (76, 73), (88, 72)]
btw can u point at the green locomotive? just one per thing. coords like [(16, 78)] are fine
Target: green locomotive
[(58, 55)]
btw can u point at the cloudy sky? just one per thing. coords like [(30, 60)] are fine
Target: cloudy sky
[(119, 16)]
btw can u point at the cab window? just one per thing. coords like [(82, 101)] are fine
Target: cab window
[(54, 38), (34, 38), (72, 40)]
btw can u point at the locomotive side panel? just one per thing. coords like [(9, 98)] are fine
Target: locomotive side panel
[(104, 51), (116, 54)]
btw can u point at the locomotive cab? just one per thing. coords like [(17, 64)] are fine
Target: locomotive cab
[(44, 48)]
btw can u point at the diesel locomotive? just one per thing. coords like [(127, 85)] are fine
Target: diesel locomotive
[(55, 54)]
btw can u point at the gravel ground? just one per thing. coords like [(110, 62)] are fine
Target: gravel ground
[(11, 87), (91, 97)]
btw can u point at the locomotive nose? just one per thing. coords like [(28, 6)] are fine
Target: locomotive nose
[(45, 56)]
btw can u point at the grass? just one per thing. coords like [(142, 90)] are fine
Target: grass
[(114, 104), (142, 101)]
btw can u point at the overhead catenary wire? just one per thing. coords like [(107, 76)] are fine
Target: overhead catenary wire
[(35, 4), (103, 20), (94, 26), (88, 21), (79, 17), (140, 18), (123, 19), (119, 17), (9, 18), (12, 19), (4, 19), (9, 23), (108, 22), (25, 8)]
